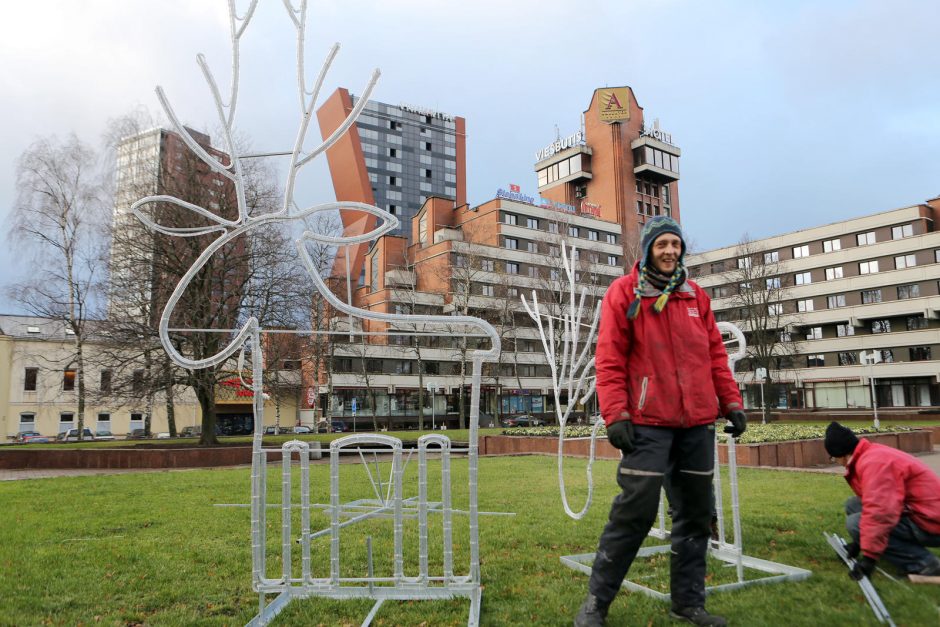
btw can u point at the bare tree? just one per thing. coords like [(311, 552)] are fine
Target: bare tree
[(57, 217), (757, 291)]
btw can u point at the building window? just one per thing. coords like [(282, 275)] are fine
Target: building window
[(900, 232), (533, 272), (611, 238), (27, 421), (105, 383), (814, 333), (887, 355), (512, 267), (66, 419), (393, 209), (393, 152), (864, 239), (428, 146), (871, 296), (342, 364), (553, 227), (881, 326), (488, 265), (785, 336), (801, 251), (512, 292), (744, 263), (915, 323), (137, 382), (845, 330), (611, 260), (721, 291), (832, 244), (804, 305), (573, 231), (719, 266), (489, 290), (393, 180), (803, 278), (773, 283), (68, 380), (849, 358), (908, 291), (30, 379), (373, 366), (833, 273), (137, 420), (772, 257), (835, 301), (531, 247), (510, 218), (775, 309), (423, 229), (920, 353), (104, 421), (512, 243), (593, 235), (815, 361), (403, 367), (905, 261), (868, 267), (532, 223)]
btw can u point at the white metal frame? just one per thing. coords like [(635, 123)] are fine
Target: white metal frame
[(287, 587)]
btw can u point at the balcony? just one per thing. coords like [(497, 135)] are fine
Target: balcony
[(655, 160)]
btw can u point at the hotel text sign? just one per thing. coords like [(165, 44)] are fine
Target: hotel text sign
[(560, 144)]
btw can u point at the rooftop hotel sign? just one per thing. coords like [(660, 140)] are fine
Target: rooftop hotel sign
[(560, 144), (613, 104)]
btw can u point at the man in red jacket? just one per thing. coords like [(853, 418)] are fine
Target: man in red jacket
[(896, 513), (662, 380)]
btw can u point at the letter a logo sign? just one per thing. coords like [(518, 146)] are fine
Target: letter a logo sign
[(613, 104)]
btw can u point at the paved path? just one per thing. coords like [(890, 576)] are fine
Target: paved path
[(931, 459)]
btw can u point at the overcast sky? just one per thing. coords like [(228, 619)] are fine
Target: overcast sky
[(788, 114)]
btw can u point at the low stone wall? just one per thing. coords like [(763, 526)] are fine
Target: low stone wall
[(144, 458), (792, 454)]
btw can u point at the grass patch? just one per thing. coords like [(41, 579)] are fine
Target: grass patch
[(152, 549)]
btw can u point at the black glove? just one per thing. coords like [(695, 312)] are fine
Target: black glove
[(864, 567), (737, 423), (620, 434), (853, 549)]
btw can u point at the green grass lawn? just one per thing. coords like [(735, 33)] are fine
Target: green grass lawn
[(153, 549)]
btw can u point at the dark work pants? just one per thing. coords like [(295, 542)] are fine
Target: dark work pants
[(906, 545), (689, 455)]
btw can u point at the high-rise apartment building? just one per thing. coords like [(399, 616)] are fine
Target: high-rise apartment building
[(616, 166), (394, 157), (852, 310)]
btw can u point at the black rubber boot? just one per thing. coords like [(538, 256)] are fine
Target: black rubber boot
[(593, 613), (697, 616)]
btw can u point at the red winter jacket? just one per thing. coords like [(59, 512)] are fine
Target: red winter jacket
[(664, 369), (890, 483)]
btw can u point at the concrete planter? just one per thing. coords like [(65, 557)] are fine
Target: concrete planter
[(791, 454)]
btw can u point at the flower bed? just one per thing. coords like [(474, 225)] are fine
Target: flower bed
[(794, 446)]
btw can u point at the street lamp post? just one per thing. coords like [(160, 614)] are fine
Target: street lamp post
[(761, 373), (872, 358)]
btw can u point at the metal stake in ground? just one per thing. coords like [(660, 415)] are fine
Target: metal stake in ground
[(871, 595)]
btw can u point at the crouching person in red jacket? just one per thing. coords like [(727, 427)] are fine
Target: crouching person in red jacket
[(896, 512), (662, 379)]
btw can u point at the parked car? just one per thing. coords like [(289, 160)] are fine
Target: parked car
[(523, 421), (593, 419), (323, 427), (103, 434), (191, 432), (338, 426), (137, 434), (163, 435), (71, 435), (31, 437), (302, 429)]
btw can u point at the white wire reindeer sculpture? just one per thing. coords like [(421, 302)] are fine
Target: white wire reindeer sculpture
[(286, 584), (572, 373)]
